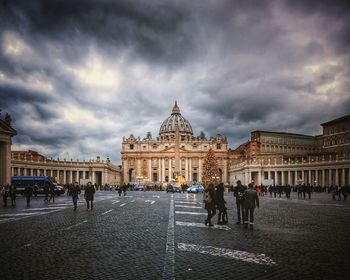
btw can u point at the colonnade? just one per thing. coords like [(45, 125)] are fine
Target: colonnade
[(63, 172), (316, 176)]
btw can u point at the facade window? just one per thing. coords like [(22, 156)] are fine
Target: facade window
[(131, 146), (218, 146)]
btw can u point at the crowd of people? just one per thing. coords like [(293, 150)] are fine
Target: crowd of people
[(247, 200)]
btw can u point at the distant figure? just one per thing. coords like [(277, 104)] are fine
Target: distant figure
[(251, 200), (124, 189), (5, 194), (89, 196), (222, 216), (13, 195), (288, 191), (119, 190), (28, 192), (52, 193), (75, 191), (238, 192), (46, 192), (309, 190), (300, 191), (209, 200)]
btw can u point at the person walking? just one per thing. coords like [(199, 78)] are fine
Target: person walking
[(222, 216), (119, 190), (124, 189), (89, 196), (28, 192), (46, 192), (209, 200), (251, 200), (52, 193), (5, 194), (238, 192), (13, 195), (74, 192)]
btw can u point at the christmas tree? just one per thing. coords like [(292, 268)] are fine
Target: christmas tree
[(210, 172)]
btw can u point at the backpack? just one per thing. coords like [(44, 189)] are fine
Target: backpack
[(206, 197)]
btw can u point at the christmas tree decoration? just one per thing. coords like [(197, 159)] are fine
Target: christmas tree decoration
[(210, 173)]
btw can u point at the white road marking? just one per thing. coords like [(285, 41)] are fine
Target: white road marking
[(202, 225), (78, 224), (187, 206), (152, 201), (44, 208), (227, 253), (133, 200), (117, 201), (169, 261), (19, 214), (7, 220), (185, 202), (157, 196), (104, 213), (27, 245), (190, 213), (121, 205)]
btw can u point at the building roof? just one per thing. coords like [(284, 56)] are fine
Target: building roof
[(338, 120), (284, 133)]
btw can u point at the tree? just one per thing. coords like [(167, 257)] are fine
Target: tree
[(210, 171)]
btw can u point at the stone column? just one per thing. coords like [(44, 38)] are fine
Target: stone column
[(323, 178), (343, 177), (64, 177), (93, 176), (316, 178), (150, 170), (190, 170), (289, 177), (337, 177), (302, 176), (200, 170), (259, 178), (282, 178), (310, 178)]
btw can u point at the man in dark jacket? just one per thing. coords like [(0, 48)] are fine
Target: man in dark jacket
[(28, 192), (251, 200), (238, 192), (75, 191), (89, 196)]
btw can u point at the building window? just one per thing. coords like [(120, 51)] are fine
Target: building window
[(218, 146), (131, 146)]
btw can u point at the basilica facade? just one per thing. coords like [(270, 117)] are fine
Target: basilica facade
[(176, 151)]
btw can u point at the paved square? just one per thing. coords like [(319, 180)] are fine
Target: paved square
[(154, 235)]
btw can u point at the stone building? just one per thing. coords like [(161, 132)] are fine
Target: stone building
[(176, 151), (6, 133), (289, 158), (100, 172)]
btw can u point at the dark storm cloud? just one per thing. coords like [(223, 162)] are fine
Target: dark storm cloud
[(91, 72), (149, 30)]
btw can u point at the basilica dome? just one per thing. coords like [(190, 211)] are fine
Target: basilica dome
[(168, 125)]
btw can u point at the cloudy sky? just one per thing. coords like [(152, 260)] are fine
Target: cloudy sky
[(77, 76)]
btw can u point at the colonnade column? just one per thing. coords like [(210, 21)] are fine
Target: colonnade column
[(337, 177), (343, 177), (310, 178), (200, 170), (323, 178), (64, 177), (283, 181), (150, 179), (190, 170)]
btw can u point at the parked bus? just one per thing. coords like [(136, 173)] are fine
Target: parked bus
[(20, 182)]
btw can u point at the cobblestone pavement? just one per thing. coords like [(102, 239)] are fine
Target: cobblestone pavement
[(154, 235)]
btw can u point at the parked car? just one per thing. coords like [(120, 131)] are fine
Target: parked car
[(138, 187), (173, 189), (195, 189)]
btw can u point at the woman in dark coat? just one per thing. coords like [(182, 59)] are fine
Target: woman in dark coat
[(209, 199), (222, 217), (89, 195)]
